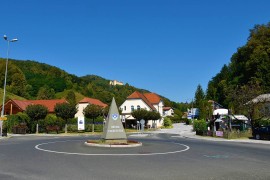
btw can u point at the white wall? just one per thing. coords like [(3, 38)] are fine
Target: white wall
[(135, 102), (81, 107), (169, 112)]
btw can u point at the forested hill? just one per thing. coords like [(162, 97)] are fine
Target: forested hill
[(247, 74), (34, 80)]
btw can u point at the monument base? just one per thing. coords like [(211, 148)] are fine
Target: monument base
[(115, 141), (120, 143)]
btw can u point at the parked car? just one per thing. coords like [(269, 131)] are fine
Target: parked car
[(261, 132)]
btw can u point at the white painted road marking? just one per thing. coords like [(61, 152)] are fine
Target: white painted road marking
[(86, 154)]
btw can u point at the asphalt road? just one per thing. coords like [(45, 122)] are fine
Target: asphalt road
[(162, 156)]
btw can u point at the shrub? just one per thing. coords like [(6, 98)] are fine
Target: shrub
[(188, 121), (167, 123), (262, 122), (12, 121), (72, 128), (175, 119), (199, 125)]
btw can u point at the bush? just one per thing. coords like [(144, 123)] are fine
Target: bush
[(167, 123), (188, 121), (72, 128), (12, 121), (199, 125), (261, 122), (175, 119)]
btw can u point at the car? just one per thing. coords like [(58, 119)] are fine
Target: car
[(262, 132)]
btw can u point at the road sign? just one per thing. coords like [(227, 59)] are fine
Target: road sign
[(3, 118)]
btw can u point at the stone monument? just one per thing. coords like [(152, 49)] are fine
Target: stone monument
[(114, 131)]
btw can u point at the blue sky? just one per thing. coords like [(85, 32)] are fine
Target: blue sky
[(165, 46)]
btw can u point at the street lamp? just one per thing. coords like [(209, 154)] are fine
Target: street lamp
[(5, 82)]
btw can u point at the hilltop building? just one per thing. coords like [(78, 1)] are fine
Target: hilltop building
[(115, 82)]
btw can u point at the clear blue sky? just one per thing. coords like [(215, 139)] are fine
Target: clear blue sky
[(165, 46)]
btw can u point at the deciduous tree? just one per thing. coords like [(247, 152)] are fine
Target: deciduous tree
[(36, 112)]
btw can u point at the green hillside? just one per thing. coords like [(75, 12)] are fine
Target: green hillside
[(247, 74), (34, 80), (9, 96)]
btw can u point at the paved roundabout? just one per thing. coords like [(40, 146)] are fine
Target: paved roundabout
[(77, 147), (162, 156)]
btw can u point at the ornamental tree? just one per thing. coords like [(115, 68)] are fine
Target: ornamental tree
[(65, 111), (36, 112), (93, 111)]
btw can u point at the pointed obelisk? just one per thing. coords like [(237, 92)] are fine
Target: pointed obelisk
[(114, 130)]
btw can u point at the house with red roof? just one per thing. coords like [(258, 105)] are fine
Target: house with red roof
[(87, 101), (168, 111), (137, 100), (14, 106)]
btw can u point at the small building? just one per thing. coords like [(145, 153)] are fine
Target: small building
[(115, 82), (148, 101), (87, 101), (168, 111), (264, 101), (14, 106), (193, 113)]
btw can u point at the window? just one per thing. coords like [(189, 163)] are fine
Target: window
[(138, 107), (125, 107), (132, 108)]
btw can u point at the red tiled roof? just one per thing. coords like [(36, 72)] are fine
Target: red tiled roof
[(166, 108), (50, 104), (138, 95), (93, 101), (152, 97), (22, 104)]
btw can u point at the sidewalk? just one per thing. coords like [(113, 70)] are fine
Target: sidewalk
[(180, 130), (186, 131)]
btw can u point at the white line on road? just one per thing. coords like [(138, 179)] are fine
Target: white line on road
[(86, 154)]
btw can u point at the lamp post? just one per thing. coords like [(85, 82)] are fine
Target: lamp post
[(5, 82)]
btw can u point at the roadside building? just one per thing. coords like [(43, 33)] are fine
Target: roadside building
[(87, 101), (136, 101), (14, 106), (168, 111)]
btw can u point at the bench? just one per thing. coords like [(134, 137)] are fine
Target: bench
[(52, 128)]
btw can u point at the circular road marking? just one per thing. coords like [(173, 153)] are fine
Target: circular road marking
[(86, 154)]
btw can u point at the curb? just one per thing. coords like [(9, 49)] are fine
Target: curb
[(112, 146)]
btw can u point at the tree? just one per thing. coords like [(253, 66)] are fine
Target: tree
[(71, 97), (201, 102), (65, 111), (140, 114), (18, 84), (92, 111), (199, 96), (241, 98), (154, 115), (46, 93), (36, 112)]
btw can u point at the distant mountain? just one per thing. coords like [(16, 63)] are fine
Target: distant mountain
[(34, 80)]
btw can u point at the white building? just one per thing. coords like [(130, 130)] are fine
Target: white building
[(148, 101), (115, 82), (168, 111), (85, 102)]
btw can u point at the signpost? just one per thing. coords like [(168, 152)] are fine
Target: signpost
[(81, 124), (3, 118), (142, 122)]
